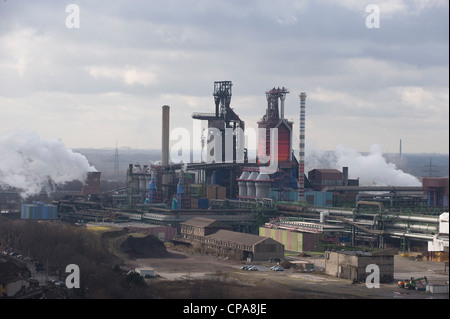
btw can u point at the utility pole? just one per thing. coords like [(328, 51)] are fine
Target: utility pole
[(430, 169)]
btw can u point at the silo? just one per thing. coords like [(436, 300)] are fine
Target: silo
[(262, 185), (251, 189), (242, 182)]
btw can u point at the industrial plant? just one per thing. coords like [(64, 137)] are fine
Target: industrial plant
[(259, 208)]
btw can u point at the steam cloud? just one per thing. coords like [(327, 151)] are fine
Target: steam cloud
[(371, 169), (32, 165)]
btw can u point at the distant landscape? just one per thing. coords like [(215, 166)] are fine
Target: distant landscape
[(417, 164)]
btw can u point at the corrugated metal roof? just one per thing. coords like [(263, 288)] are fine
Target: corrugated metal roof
[(236, 237), (199, 222)]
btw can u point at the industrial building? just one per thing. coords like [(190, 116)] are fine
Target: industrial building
[(352, 265), (436, 190), (38, 210), (208, 234), (298, 235), (245, 194)]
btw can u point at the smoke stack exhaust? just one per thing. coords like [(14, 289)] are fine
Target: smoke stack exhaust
[(301, 165), (165, 135)]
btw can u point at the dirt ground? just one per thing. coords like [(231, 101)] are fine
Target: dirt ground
[(189, 266)]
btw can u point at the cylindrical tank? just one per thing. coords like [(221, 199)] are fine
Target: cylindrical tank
[(242, 182), (251, 189), (263, 185)]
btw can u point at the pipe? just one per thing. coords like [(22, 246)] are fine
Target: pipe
[(414, 218), (373, 188), (414, 227), (417, 236)]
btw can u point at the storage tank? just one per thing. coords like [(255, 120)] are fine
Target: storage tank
[(242, 182), (251, 189), (262, 185)]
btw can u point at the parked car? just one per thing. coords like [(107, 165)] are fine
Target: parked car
[(276, 268), (253, 268)]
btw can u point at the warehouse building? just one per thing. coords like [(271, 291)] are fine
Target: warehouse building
[(299, 236), (208, 234), (38, 210), (352, 265)]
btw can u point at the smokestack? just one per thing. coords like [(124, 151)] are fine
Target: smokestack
[(165, 135), (301, 165), (344, 176), (400, 149)]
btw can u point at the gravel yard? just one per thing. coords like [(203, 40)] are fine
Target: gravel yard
[(189, 266)]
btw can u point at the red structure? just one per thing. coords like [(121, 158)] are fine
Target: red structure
[(274, 118), (437, 190)]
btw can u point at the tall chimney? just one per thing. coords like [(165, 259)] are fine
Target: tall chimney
[(301, 164), (345, 176), (165, 135)]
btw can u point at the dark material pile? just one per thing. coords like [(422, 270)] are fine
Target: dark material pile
[(144, 247)]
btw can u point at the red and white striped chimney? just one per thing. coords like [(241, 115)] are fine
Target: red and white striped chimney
[(301, 165)]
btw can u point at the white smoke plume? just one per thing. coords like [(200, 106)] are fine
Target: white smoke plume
[(32, 164), (371, 169)]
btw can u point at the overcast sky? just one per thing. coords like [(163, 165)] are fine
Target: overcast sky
[(107, 80)]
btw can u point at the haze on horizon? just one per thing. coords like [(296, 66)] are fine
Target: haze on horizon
[(107, 80)]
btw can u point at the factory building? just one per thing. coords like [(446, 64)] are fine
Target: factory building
[(298, 235), (38, 210), (208, 234), (322, 179), (437, 190), (352, 265), (227, 172)]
